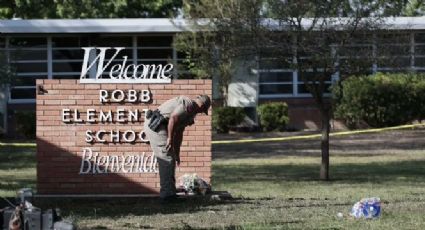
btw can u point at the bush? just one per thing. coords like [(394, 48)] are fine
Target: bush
[(224, 118), (419, 97), (380, 100), (26, 123), (273, 116)]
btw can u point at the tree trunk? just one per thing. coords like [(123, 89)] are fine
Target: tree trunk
[(224, 92), (324, 167)]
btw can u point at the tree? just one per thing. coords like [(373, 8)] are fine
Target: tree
[(88, 8), (212, 54), (316, 41), (414, 8), (212, 48), (308, 36)]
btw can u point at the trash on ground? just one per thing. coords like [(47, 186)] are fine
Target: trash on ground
[(367, 208), (192, 184)]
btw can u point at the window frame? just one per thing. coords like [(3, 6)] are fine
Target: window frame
[(49, 61)]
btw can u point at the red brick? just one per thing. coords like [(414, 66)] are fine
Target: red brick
[(60, 144), (52, 102), (68, 102), (188, 87), (195, 163), (108, 86), (92, 86)]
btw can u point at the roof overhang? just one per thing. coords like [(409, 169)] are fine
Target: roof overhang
[(153, 25), (49, 26)]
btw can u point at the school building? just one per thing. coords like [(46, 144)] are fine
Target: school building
[(51, 49)]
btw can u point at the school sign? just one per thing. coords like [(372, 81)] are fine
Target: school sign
[(90, 137)]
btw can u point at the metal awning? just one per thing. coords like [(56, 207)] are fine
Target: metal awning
[(48, 26), (153, 25)]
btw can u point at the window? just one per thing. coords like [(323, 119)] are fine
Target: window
[(155, 50), (277, 79), (274, 83), (67, 55), (22, 93), (2, 126), (310, 78), (28, 59), (61, 57), (275, 89), (393, 51), (182, 67), (419, 52), (268, 58)]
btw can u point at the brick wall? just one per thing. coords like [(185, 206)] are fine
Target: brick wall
[(60, 144)]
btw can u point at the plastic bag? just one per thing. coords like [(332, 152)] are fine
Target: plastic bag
[(193, 184), (367, 208)]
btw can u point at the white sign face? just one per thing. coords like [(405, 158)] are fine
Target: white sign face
[(92, 163), (123, 72)]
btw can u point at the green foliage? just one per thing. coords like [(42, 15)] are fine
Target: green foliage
[(380, 100), (419, 97), (414, 8), (26, 123), (219, 44), (88, 8), (206, 55), (273, 116), (224, 118), (200, 55)]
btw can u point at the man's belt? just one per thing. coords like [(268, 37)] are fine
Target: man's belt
[(156, 119)]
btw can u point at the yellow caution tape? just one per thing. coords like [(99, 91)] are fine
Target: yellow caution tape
[(312, 136), (18, 144), (301, 137)]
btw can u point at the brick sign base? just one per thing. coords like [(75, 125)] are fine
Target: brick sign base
[(64, 168)]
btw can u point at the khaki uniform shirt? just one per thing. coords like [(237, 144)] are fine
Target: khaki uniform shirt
[(184, 108)]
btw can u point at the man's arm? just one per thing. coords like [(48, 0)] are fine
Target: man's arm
[(178, 139), (172, 122)]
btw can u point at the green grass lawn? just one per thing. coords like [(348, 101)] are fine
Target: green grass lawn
[(289, 194), (17, 169), (271, 192)]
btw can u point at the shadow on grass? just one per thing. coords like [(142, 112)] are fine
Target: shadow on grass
[(12, 184), (121, 207), (117, 207), (364, 145), (353, 173), (17, 166), (376, 172), (17, 157), (409, 171)]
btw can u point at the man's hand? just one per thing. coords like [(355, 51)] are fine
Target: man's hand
[(178, 160), (178, 138), (169, 144)]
